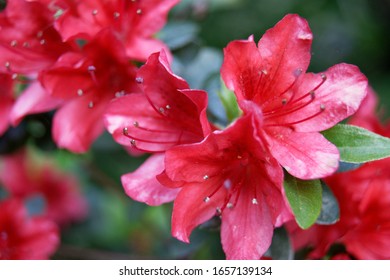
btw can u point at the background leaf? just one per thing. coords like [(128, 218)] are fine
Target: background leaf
[(330, 211), (358, 145), (305, 198)]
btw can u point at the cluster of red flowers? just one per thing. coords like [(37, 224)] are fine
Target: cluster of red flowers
[(80, 57)]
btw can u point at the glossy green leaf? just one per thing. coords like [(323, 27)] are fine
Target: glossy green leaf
[(358, 145), (305, 198)]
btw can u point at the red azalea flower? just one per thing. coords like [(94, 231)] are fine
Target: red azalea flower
[(28, 40), (233, 175), (292, 106), (364, 197), (25, 177), (7, 100), (165, 114), (87, 80), (134, 22), (24, 238)]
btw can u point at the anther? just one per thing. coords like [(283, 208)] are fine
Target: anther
[(168, 107), (322, 107), (139, 11), (206, 177), (90, 104), (125, 131), (91, 68), (298, 72), (254, 201), (265, 72), (42, 42), (284, 101), (161, 109), (323, 76), (116, 15), (39, 34), (26, 44), (14, 76), (312, 94), (132, 142), (136, 124), (230, 205), (13, 43), (80, 92), (94, 12), (206, 199), (139, 80), (7, 65), (218, 210)]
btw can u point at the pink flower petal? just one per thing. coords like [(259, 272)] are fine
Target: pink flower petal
[(34, 99), (142, 185), (304, 155)]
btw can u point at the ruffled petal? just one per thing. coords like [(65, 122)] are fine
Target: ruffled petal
[(262, 73), (304, 155), (142, 185), (337, 97), (76, 125)]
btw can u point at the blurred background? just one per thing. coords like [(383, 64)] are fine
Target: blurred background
[(115, 227)]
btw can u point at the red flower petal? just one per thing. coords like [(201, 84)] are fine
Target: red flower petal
[(190, 210), (304, 155), (77, 124), (336, 98), (247, 230), (142, 185), (34, 99), (260, 74)]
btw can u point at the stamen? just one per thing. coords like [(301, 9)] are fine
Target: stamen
[(132, 142), (139, 80), (168, 107), (116, 15), (42, 42), (139, 11), (95, 12), (125, 131), (206, 177), (136, 124), (206, 199), (13, 43), (90, 104), (254, 201)]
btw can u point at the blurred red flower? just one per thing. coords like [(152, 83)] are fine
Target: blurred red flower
[(25, 176), (23, 237)]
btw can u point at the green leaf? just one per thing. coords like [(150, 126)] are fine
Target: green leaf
[(356, 144), (330, 211), (305, 198)]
